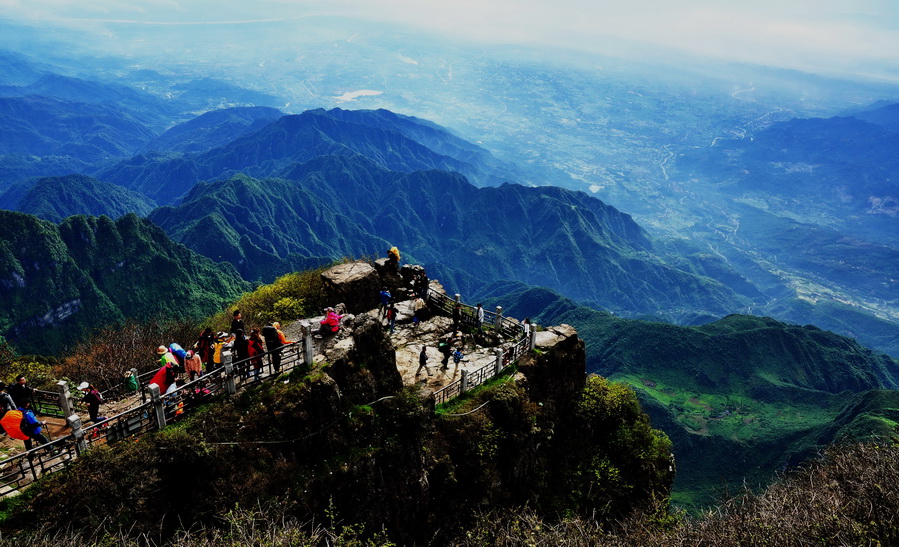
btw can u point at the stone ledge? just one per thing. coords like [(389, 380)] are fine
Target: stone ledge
[(552, 336)]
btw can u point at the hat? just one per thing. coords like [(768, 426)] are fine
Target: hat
[(190, 353), (161, 349), (83, 385)]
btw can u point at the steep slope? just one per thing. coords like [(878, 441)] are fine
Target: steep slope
[(289, 140), (480, 166), (264, 228), (212, 129), (346, 438), (741, 397), (89, 133), (343, 205), (59, 282), (55, 198), (884, 115)]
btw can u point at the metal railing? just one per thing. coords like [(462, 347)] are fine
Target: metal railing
[(22, 469), (134, 422), (474, 378), (47, 403)]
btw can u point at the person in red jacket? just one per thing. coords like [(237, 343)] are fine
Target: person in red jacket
[(331, 323), (165, 376), (255, 349)]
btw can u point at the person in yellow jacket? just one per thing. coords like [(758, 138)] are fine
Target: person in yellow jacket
[(393, 257)]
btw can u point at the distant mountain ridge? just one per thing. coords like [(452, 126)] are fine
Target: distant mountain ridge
[(55, 198), (212, 129), (289, 140), (741, 397), (349, 205)]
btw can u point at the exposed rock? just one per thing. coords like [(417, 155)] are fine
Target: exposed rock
[(557, 374), (390, 277), (548, 338), (367, 356), (356, 282)]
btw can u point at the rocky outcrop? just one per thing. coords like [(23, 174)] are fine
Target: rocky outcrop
[(354, 283), (365, 363), (558, 369)]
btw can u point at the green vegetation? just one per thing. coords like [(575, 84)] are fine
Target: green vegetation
[(63, 281), (290, 297), (327, 443), (741, 397), (56, 198)]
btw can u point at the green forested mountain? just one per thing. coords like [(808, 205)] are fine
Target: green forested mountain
[(348, 205), (55, 198), (277, 146), (212, 129), (740, 397), (60, 281), (47, 126)]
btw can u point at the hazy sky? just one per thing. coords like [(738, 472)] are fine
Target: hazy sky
[(860, 36)]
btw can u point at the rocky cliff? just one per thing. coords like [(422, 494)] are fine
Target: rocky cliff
[(345, 438)]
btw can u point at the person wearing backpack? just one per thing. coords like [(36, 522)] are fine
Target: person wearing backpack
[(92, 399), (22, 424)]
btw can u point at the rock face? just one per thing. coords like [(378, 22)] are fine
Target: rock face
[(346, 438), (558, 370), (366, 365), (356, 283)]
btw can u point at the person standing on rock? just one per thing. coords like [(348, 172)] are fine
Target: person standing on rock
[(423, 361), (457, 317), (446, 349), (393, 258), (425, 286), (391, 317), (479, 317), (386, 298), (237, 323), (419, 309)]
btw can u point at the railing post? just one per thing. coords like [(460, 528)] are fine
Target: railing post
[(308, 350), (80, 444), (65, 398), (228, 365), (532, 334), (464, 387), (499, 361), (498, 325), (156, 399)]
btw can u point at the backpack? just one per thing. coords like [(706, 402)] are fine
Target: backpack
[(15, 424)]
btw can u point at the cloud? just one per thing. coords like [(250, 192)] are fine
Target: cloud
[(797, 33)]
